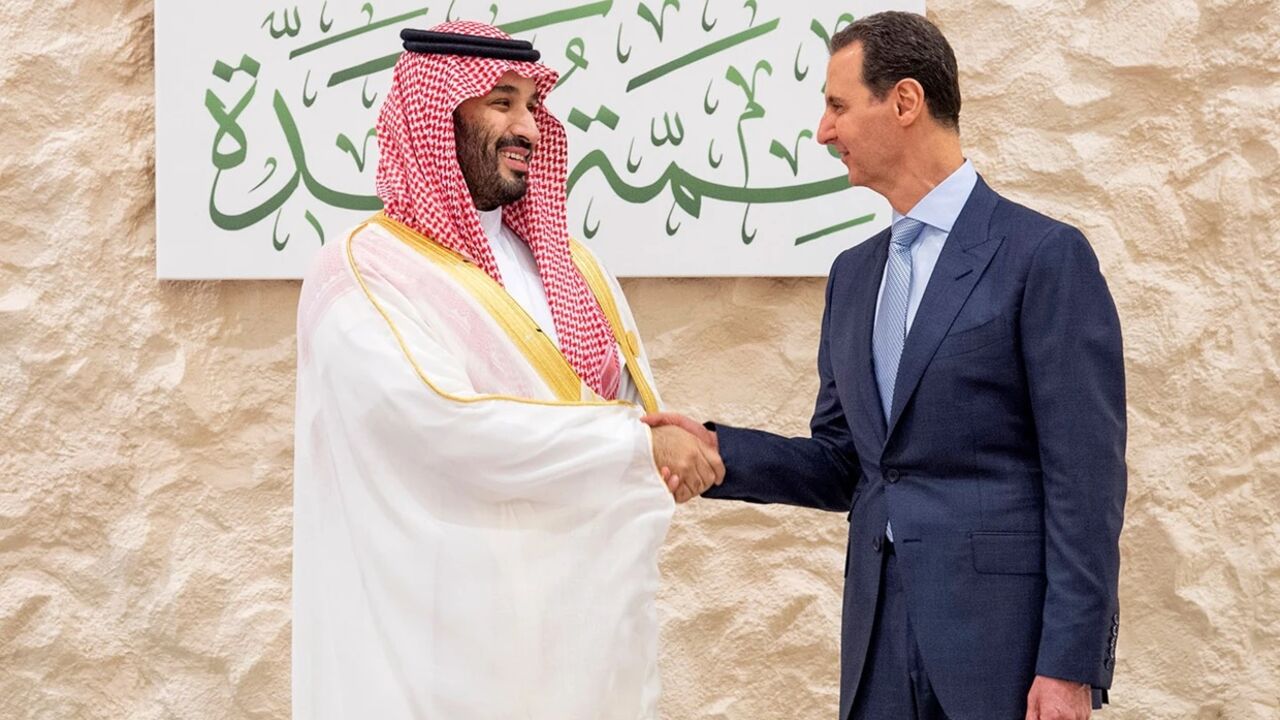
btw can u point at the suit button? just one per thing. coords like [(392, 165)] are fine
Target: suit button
[(892, 476), (875, 544)]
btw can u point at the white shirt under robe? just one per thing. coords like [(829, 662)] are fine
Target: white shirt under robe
[(518, 269), (466, 546), (521, 279)]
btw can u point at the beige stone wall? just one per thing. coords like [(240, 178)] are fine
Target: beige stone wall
[(145, 471)]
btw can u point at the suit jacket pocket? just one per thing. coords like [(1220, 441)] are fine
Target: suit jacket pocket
[(974, 338), (1008, 553), (853, 503)]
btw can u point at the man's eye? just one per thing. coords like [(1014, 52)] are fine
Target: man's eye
[(502, 103)]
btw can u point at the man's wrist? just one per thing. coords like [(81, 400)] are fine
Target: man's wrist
[(715, 439), (1064, 680)]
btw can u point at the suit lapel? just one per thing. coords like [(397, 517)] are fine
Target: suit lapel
[(965, 255), (866, 291)]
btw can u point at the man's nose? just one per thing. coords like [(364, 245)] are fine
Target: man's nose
[(526, 127), (826, 130)]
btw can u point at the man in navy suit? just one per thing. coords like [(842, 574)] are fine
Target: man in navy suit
[(970, 418)]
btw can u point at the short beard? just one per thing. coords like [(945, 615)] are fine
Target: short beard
[(478, 158)]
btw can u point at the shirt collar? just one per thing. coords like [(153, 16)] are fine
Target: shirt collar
[(941, 207), (490, 221)]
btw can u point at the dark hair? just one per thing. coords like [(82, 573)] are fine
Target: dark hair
[(898, 45)]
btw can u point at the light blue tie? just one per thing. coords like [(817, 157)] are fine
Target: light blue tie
[(891, 321)]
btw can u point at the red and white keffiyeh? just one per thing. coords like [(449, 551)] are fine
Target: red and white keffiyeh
[(421, 185)]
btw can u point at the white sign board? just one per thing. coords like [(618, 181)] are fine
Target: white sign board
[(690, 129)]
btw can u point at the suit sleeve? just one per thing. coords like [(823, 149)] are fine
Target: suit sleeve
[(1072, 350), (819, 471)]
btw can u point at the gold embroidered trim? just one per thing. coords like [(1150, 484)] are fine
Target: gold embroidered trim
[(534, 344), (627, 340), (404, 348)]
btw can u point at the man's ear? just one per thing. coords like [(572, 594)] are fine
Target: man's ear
[(908, 101)]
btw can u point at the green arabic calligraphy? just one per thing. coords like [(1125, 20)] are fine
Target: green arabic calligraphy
[(399, 19), (752, 110), (290, 28), (701, 53), (694, 189), (270, 166), (386, 62), (821, 31), (247, 65), (835, 228), (706, 100), (791, 156), (588, 230), (659, 21), (307, 98), (575, 53), (345, 145), (604, 116), (228, 127), (632, 167), (558, 17), (231, 145), (622, 57), (800, 75), (707, 26), (675, 137), (713, 161), (301, 176)]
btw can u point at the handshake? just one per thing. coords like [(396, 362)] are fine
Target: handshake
[(686, 453)]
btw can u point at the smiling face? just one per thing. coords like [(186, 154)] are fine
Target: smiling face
[(866, 131), (496, 139)]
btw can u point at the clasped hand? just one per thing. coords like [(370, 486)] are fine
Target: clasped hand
[(686, 453)]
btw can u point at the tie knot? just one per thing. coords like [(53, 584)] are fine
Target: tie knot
[(905, 231)]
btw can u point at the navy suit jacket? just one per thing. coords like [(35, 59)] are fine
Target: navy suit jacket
[(1001, 465)]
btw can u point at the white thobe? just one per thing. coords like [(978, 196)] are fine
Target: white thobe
[(523, 282), (519, 270), (468, 545)]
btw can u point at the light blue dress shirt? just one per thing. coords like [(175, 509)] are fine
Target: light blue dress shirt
[(938, 211)]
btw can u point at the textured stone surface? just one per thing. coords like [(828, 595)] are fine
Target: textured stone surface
[(145, 492)]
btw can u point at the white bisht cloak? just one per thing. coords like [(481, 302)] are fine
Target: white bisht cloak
[(475, 533)]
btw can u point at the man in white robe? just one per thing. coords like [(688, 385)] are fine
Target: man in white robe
[(477, 507)]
